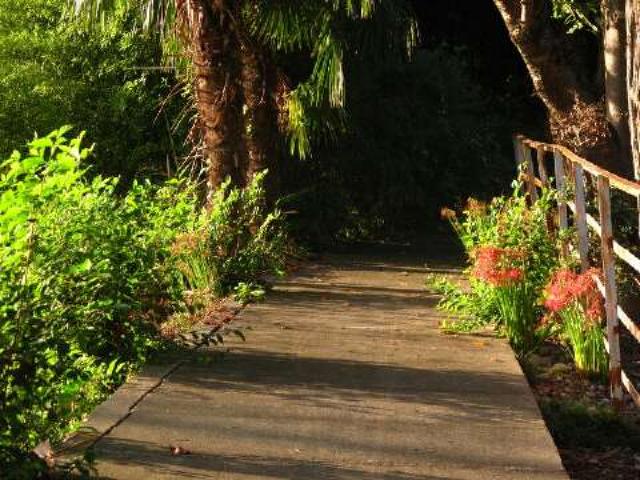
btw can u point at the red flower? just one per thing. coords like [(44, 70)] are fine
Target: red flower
[(567, 287), (496, 265)]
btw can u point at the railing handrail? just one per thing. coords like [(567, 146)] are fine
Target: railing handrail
[(603, 227), (629, 186)]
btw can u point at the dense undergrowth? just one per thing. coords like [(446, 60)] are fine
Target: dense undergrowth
[(55, 71), (521, 284), (414, 142), (88, 277), (524, 283)]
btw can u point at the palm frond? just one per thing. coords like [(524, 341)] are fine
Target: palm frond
[(158, 16), (329, 30)]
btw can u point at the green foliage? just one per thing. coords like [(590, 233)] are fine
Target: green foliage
[(322, 33), (507, 225), (332, 32), (248, 292), (574, 425), (520, 316), (78, 268), (586, 340), (249, 241), (239, 242), (473, 309), (53, 72), (83, 271), (578, 14), (421, 135), (509, 222)]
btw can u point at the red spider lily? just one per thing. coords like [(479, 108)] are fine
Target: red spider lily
[(496, 265), (567, 287)]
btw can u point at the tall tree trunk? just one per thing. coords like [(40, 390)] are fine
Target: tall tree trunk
[(614, 43), (573, 100), (260, 116), (210, 34), (633, 80)]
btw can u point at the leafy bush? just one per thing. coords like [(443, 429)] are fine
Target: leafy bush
[(510, 222), (506, 270), (575, 425), (86, 276), (239, 241), (432, 137), (53, 71), (575, 301), (248, 292), (513, 256), (79, 266), (472, 308)]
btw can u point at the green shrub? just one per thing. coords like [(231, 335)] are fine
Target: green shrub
[(471, 308), (54, 71), (574, 300), (513, 256), (510, 222), (575, 425), (248, 292), (87, 276), (239, 241), (79, 267)]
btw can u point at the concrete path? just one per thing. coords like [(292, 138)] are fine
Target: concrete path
[(344, 375)]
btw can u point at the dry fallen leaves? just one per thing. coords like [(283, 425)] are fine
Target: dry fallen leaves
[(178, 450)]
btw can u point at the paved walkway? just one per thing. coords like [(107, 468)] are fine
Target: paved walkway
[(344, 376)]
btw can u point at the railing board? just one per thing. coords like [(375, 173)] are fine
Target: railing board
[(629, 186), (531, 175), (581, 217), (629, 324), (629, 387), (542, 168), (628, 257), (536, 181), (595, 226), (575, 171), (622, 315), (517, 148), (611, 294), (558, 163), (621, 252)]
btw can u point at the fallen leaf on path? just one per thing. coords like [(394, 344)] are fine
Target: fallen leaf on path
[(178, 450)]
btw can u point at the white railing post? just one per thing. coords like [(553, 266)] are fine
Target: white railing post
[(542, 168), (581, 218), (558, 164), (611, 296), (517, 149), (531, 174)]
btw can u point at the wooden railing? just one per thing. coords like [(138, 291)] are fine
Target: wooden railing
[(570, 174)]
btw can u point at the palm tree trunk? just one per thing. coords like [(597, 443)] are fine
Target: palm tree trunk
[(210, 34), (261, 116)]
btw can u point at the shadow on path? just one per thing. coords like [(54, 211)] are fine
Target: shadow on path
[(198, 465), (478, 396)]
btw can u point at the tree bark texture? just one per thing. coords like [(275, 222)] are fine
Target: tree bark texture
[(211, 40), (260, 115), (577, 116), (633, 80), (614, 46)]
